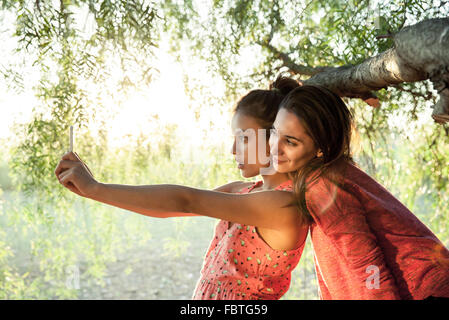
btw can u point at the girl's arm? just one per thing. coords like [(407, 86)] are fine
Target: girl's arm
[(228, 188), (266, 209)]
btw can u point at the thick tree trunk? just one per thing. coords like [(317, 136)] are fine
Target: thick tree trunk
[(421, 52)]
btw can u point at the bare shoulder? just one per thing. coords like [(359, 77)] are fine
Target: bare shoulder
[(278, 209), (233, 187), (267, 209)]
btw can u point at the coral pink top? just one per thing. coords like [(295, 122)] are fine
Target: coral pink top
[(240, 265), (368, 245)]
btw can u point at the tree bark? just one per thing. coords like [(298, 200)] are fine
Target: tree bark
[(420, 52)]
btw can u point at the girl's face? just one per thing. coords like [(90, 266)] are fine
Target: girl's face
[(291, 147), (249, 145)]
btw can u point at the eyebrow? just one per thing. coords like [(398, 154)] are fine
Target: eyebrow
[(289, 137)]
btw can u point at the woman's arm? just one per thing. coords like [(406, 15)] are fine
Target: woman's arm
[(62, 171), (228, 188), (267, 209)]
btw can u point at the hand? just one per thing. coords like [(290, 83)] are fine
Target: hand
[(74, 174)]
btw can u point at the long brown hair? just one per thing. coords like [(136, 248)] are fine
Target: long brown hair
[(329, 123)]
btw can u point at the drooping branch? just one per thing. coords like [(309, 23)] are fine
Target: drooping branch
[(420, 52), (291, 65)]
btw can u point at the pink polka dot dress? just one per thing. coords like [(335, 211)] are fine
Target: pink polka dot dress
[(240, 265)]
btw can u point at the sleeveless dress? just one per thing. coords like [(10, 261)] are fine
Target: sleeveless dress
[(240, 265)]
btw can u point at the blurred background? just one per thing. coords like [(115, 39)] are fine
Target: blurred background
[(149, 87)]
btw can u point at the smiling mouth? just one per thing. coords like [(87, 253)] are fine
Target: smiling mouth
[(276, 159)]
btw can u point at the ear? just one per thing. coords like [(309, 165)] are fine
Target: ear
[(319, 154)]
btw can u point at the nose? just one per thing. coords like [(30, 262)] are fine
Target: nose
[(233, 148), (274, 145)]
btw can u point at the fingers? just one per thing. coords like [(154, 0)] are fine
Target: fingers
[(65, 177), (64, 165), (63, 174), (84, 164), (73, 156), (65, 181), (70, 156), (65, 169)]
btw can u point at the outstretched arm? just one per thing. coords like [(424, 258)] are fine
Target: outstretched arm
[(267, 209), (262, 209), (229, 188)]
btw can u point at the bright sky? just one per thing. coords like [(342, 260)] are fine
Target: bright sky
[(13, 106), (165, 98)]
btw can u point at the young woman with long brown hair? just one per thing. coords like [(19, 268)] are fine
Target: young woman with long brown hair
[(367, 244)]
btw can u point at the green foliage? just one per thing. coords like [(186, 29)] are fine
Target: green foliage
[(50, 36), (72, 232)]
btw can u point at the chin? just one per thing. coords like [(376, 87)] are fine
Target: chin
[(248, 174), (281, 168)]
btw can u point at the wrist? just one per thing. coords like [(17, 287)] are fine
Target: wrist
[(96, 190)]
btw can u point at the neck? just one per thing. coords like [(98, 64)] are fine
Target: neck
[(271, 181)]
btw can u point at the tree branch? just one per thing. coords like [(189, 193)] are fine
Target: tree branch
[(291, 65), (420, 52)]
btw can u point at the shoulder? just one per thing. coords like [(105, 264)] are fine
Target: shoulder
[(329, 188), (341, 177), (329, 201), (233, 187)]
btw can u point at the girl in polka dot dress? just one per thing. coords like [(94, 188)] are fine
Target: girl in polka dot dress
[(245, 261), (260, 236), (241, 265)]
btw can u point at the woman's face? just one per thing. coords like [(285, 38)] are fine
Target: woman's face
[(250, 147), (291, 147)]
